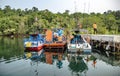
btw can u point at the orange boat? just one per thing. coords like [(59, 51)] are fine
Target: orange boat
[(55, 45), (54, 41)]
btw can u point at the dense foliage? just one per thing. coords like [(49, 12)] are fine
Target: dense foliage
[(17, 21)]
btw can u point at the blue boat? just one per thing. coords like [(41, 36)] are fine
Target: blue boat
[(34, 42)]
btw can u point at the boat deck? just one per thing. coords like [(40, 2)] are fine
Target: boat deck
[(55, 45)]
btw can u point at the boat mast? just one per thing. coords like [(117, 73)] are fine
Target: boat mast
[(76, 19)]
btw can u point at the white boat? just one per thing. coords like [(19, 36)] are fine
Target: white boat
[(79, 44)]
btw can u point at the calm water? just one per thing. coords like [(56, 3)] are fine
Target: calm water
[(15, 62)]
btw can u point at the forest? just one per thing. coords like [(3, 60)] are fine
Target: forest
[(28, 21)]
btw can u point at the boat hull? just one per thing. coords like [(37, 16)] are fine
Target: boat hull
[(34, 48), (54, 46), (81, 48)]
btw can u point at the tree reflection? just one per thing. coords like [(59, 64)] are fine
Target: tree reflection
[(11, 49), (77, 65)]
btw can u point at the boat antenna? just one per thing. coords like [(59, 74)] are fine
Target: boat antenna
[(84, 12), (88, 6), (76, 19), (88, 13), (75, 6)]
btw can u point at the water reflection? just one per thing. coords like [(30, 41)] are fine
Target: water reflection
[(10, 49), (34, 56), (14, 61), (49, 58), (77, 64), (54, 57), (46, 57), (112, 60), (35, 59)]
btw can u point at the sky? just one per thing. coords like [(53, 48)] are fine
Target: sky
[(86, 6)]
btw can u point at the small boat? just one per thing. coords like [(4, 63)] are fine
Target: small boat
[(34, 42), (55, 40), (79, 44)]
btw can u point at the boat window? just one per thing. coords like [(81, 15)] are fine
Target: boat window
[(77, 39)]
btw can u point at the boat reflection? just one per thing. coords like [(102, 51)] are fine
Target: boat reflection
[(77, 65), (34, 56), (54, 57), (46, 57)]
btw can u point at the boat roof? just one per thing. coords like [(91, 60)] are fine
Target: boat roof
[(37, 34), (34, 34), (80, 30)]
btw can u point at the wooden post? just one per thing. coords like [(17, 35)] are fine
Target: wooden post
[(114, 46)]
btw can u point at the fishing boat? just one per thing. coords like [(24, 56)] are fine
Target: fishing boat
[(34, 42), (55, 40), (78, 44)]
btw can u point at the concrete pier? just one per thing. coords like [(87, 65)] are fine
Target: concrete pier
[(110, 44), (111, 38)]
